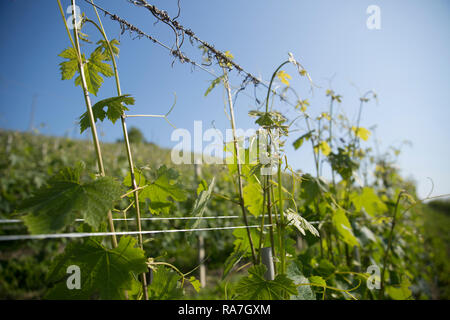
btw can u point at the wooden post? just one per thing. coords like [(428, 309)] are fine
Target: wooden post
[(201, 239)]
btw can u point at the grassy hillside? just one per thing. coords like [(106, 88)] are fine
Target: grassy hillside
[(28, 159)]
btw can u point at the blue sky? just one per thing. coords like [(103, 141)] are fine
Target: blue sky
[(406, 62)]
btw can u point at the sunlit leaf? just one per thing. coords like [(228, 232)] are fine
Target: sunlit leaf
[(361, 132), (213, 84), (299, 142), (323, 147), (369, 201), (115, 108), (253, 198), (283, 76), (344, 228), (64, 197)]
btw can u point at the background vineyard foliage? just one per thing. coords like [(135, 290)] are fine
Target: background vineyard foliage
[(421, 250)]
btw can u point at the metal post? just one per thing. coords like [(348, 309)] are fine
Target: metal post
[(267, 260), (201, 239)]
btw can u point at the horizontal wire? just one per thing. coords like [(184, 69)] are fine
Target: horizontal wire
[(181, 56), (5, 221), (101, 234)]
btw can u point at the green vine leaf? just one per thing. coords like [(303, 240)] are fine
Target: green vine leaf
[(92, 70), (344, 228), (105, 50), (400, 292), (195, 283), (57, 204), (253, 198), (104, 272), (312, 187), (70, 67), (160, 192), (298, 143), (238, 253), (93, 67), (318, 281), (343, 164), (304, 292), (165, 285), (256, 287), (368, 200), (115, 110)]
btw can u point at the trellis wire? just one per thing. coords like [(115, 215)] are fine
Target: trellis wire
[(101, 234), (5, 221), (182, 57)]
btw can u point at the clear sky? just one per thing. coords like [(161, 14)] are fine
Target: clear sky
[(406, 62)]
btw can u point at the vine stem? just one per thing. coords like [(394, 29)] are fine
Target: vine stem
[(76, 47), (127, 144), (281, 226), (269, 211), (391, 234), (331, 140), (238, 163), (269, 185)]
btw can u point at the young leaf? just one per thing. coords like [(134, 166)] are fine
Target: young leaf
[(200, 205), (56, 205), (318, 280), (213, 84), (105, 50), (303, 104), (92, 69), (323, 147), (104, 272), (300, 223), (298, 143), (283, 76), (195, 283), (253, 198), (256, 287), (70, 67), (115, 110), (361, 132), (202, 186), (344, 228)]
